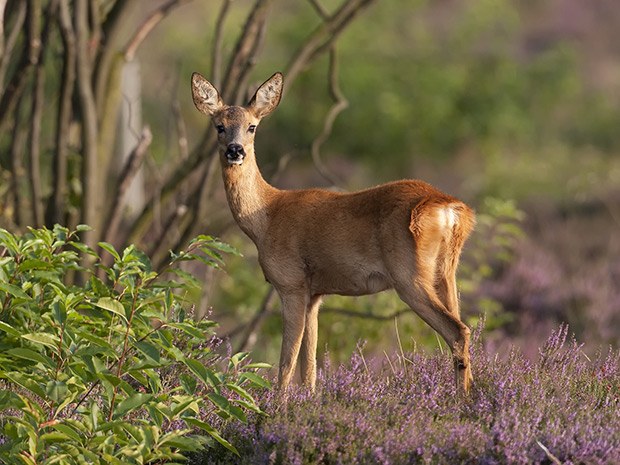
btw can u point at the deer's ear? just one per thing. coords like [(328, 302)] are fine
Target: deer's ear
[(206, 97), (267, 96)]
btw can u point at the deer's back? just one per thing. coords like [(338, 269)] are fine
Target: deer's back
[(344, 242)]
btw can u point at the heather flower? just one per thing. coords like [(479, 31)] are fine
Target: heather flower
[(562, 406)]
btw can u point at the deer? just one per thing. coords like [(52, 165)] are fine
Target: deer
[(404, 235)]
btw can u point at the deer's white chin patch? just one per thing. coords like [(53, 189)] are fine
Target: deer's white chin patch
[(234, 160)]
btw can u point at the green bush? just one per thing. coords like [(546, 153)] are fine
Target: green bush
[(113, 371)]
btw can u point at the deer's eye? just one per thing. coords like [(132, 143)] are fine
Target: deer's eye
[(252, 128), (220, 128)]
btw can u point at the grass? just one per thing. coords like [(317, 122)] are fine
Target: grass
[(562, 407)]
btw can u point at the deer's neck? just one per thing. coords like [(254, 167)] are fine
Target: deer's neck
[(249, 196)]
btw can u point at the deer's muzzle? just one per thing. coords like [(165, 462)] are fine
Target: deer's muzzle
[(235, 154)]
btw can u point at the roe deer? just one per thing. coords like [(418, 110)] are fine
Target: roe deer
[(404, 235)]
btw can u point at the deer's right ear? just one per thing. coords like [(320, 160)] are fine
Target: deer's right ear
[(206, 97)]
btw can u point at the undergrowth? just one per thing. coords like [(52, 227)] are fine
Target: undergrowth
[(561, 408), (115, 370)]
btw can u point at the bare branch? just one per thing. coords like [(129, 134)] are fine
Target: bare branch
[(148, 25), (91, 182), (216, 53), (2, 8), (21, 75), (320, 10), (245, 51), (322, 38), (56, 206), (9, 44), (95, 27), (111, 27), (182, 172), (182, 140), (134, 161), (340, 104), (37, 111), (17, 168), (253, 326)]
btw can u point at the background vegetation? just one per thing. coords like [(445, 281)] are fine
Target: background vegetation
[(512, 105)]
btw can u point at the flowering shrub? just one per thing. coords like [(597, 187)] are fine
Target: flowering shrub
[(562, 408)]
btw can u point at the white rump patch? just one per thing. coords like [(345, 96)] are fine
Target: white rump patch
[(448, 217)]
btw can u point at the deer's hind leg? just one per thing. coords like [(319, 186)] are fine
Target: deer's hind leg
[(431, 290)]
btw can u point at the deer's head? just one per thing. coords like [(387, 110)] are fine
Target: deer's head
[(236, 125)]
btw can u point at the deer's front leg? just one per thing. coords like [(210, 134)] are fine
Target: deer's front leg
[(293, 319), (307, 356)]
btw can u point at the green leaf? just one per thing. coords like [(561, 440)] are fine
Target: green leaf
[(189, 329), (34, 264), (110, 249), (48, 340), (149, 350), (29, 354), (132, 402), (112, 305), (69, 432), (256, 380), (7, 328), (211, 431), (56, 390), (237, 358), (178, 440), (219, 400), (188, 383), (27, 383), (258, 365), (15, 291), (239, 390), (198, 369), (105, 346)]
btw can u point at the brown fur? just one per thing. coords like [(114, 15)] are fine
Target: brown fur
[(403, 235)]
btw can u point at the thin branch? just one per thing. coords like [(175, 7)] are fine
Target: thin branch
[(111, 27), (340, 104), (240, 96), (182, 140), (37, 111), (322, 37), (91, 180), (320, 10), (21, 75), (96, 30), (8, 45), (253, 326), (34, 38), (148, 25), (179, 175), (245, 50), (17, 168), (2, 8), (217, 50), (134, 161), (56, 206)]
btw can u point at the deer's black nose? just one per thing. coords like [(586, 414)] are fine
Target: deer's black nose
[(235, 150)]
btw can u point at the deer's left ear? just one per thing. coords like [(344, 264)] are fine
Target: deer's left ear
[(267, 96)]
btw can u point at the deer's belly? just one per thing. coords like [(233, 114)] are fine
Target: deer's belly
[(348, 281)]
